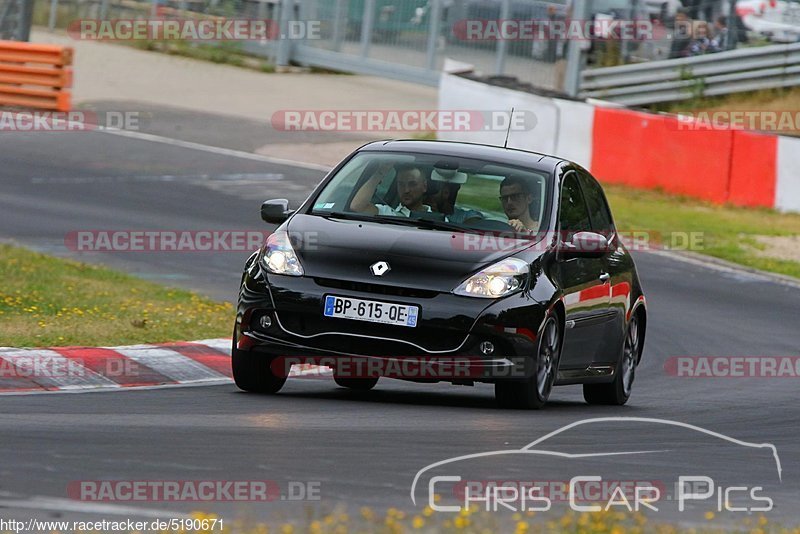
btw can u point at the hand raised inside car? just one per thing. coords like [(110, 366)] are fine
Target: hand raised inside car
[(383, 170)]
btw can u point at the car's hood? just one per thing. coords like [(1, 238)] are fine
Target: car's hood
[(418, 258)]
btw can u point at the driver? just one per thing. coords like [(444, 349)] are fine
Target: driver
[(516, 198), (411, 188)]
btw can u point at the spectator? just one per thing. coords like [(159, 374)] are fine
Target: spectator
[(721, 34), (702, 44), (739, 30), (681, 35)]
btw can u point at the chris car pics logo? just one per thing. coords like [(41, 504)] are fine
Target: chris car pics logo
[(445, 486)]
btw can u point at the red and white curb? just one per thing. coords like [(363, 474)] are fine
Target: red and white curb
[(112, 368)]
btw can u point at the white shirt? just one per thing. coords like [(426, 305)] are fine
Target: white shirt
[(399, 211)]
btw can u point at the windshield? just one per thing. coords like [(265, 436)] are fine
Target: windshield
[(457, 193)]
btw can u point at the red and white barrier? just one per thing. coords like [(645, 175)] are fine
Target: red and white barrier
[(639, 149), (84, 368), (112, 368)]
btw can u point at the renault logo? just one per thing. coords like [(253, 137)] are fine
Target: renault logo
[(380, 268)]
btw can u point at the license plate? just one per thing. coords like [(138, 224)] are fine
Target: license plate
[(371, 311)]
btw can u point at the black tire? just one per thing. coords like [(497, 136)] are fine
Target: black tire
[(252, 371), (533, 392), (618, 392), (356, 384)]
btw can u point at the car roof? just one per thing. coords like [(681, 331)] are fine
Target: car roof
[(511, 156)]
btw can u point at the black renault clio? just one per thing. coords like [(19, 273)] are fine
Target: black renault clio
[(436, 261)]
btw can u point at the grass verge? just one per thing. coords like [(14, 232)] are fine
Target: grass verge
[(47, 301), (778, 99), (740, 235), (785, 102), (225, 53)]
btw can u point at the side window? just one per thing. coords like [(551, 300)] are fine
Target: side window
[(602, 223), (573, 216)]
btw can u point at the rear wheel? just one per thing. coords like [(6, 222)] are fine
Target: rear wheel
[(618, 392), (357, 384), (533, 392), (253, 372)]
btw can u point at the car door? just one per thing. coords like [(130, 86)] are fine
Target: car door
[(616, 263), (586, 291)]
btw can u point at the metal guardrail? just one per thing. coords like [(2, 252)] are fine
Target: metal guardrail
[(734, 71)]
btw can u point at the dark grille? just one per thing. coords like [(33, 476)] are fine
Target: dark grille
[(376, 289), (309, 324)]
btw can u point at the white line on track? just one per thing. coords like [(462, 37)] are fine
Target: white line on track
[(214, 150), (68, 505)]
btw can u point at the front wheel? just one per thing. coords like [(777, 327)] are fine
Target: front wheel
[(618, 392), (532, 393), (253, 372)]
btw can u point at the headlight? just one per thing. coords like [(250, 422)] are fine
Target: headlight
[(497, 281), (279, 256)]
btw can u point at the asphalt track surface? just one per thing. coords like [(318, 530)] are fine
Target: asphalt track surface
[(361, 449)]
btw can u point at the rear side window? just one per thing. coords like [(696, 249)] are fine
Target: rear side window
[(573, 216), (602, 223)]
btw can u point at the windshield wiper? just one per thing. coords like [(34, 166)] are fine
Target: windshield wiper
[(427, 223), (422, 223), (350, 216)]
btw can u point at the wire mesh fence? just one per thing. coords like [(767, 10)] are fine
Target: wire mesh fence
[(15, 19), (410, 39)]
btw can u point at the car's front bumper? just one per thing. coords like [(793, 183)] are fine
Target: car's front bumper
[(447, 342)]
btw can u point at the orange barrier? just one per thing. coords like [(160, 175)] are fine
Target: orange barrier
[(652, 151), (35, 75), (754, 172)]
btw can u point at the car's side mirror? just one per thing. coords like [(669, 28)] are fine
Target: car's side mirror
[(275, 211), (585, 245)]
